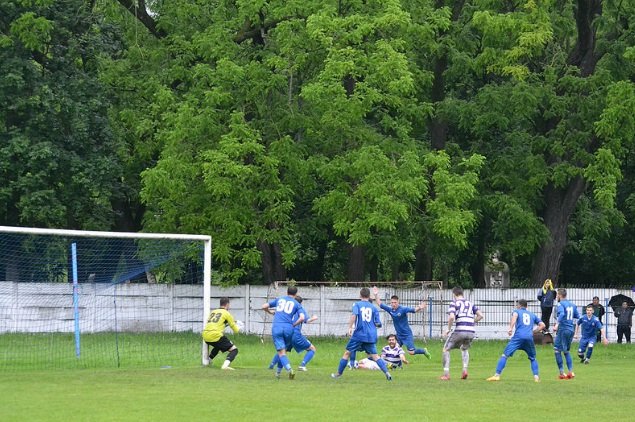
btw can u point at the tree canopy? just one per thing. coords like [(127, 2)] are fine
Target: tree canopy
[(330, 140)]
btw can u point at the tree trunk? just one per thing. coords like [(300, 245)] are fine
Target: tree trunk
[(373, 269), (267, 263), (477, 267), (272, 268), (280, 272), (423, 264), (559, 205), (356, 263)]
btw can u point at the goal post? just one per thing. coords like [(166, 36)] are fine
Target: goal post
[(132, 288)]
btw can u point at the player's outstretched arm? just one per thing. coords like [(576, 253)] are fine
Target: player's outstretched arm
[(421, 306), (376, 296)]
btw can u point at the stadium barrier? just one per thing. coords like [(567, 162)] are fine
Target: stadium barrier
[(48, 307)]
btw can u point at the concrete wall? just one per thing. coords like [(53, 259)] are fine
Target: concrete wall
[(48, 307)]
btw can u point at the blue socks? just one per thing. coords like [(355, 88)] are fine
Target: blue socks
[(307, 358), (501, 364)]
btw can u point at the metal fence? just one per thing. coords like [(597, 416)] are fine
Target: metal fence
[(180, 309)]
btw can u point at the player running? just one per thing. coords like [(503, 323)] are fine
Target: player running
[(362, 328), (299, 342), (399, 316), (589, 325), (464, 315), (286, 308)]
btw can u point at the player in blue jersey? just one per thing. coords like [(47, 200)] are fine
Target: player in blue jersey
[(362, 328), (463, 315), (284, 321), (589, 325), (299, 342), (399, 316), (521, 325), (352, 360), (566, 312)]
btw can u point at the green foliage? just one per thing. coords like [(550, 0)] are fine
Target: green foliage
[(56, 163), (33, 31), (370, 193), (306, 127)]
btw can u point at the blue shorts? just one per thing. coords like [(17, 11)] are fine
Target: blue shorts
[(300, 343), (282, 336), (563, 340), (525, 344), (406, 342), (356, 345), (586, 342)]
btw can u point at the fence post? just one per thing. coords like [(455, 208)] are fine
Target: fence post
[(247, 308), (322, 309)]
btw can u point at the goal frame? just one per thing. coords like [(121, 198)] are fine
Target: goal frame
[(207, 255)]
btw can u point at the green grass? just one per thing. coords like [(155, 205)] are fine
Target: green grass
[(189, 392)]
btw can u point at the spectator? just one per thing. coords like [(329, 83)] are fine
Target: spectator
[(546, 296), (624, 322), (598, 311)]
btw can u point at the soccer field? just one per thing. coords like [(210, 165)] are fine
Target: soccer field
[(190, 392)]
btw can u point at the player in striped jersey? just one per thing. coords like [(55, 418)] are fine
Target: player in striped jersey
[(393, 354), (463, 315)]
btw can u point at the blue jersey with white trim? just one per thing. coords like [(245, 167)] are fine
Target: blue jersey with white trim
[(400, 319), (286, 308), (366, 316), (301, 311), (566, 313), (589, 326), (525, 324)]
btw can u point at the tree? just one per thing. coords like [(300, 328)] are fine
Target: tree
[(57, 166), (559, 121)]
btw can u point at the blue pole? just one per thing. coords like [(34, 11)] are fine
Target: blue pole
[(75, 297)]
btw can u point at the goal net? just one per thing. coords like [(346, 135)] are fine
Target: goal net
[(332, 303), (99, 299)]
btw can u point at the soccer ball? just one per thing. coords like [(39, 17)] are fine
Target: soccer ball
[(240, 325)]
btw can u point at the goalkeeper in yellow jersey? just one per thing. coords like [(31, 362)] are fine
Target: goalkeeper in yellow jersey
[(213, 333)]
